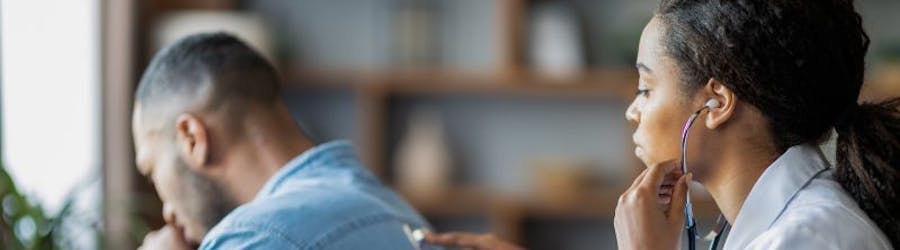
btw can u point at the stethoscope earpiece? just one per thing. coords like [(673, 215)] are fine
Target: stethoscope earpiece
[(712, 103)]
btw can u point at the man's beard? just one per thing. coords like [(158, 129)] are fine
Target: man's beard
[(206, 201)]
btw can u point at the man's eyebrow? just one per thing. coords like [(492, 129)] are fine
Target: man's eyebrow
[(642, 67)]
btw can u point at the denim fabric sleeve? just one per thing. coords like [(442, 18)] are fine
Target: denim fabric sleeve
[(248, 237)]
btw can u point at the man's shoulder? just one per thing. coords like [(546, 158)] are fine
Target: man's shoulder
[(311, 213), (311, 206)]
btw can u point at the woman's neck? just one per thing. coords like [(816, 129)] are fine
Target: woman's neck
[(735, 175)]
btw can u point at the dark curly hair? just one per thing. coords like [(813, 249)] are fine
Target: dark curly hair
[(801, 63)]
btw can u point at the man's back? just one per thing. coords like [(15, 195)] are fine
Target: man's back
[(323, 199)]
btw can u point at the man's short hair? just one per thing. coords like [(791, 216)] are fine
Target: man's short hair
[(216, 66)]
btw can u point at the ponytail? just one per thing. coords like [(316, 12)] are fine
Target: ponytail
[(868, 161)]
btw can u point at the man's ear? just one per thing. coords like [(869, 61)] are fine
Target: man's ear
[(717, 116), (192, 140)]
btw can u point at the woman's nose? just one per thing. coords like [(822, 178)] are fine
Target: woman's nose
[(632, 114)]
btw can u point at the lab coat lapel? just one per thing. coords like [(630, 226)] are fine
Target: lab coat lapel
[(773, 191)]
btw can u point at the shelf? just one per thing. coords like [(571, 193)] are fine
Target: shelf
[(882, 85), (372, 91), (601, 205), (466, 201), (614, 84), (477, 202)]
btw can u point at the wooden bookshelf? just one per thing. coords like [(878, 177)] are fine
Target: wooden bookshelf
[(510, 76), (475, 201), (613, 84), (373, 89), (507, 212)]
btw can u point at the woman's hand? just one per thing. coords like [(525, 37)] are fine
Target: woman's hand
[(469, 241), (647, 215)]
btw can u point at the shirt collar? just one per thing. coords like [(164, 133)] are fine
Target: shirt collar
[(317, 155), (774, 190)]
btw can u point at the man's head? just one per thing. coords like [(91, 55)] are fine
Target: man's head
[(200, 102)]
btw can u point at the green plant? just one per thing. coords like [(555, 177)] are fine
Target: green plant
[(24, 225)]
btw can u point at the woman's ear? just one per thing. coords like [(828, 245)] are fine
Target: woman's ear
[(192, 140), (716, 116)]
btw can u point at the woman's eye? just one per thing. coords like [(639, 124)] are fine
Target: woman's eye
[(642, 92)]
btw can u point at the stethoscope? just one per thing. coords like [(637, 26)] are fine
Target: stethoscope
[(690, 225)]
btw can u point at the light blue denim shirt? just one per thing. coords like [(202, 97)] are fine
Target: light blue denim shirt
[(323, 199)]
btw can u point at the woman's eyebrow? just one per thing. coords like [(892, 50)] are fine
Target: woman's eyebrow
[(642, 67)]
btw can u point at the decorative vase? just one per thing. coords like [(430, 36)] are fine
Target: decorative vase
[(423, 162), (555, 42)]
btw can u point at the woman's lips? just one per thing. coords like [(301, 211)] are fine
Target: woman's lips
[(638, 150)]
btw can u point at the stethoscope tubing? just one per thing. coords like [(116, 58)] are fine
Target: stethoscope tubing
[(690, 224)]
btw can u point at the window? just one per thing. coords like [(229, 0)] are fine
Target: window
[(51, 99)]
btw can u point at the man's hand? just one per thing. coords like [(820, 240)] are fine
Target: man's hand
[(469, 241), (165, 238), (647, 219)]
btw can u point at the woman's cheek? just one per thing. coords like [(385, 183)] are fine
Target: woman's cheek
[(658, 148)]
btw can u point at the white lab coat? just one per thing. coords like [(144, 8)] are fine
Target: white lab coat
[(797, 204)]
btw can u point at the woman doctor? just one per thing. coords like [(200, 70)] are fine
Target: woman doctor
[(783, 74)]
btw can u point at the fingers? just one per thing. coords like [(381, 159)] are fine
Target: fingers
[(469, 241), (676, 209), (638, 179), (664, 195), (654, 176), (454, 239), (667, 188)]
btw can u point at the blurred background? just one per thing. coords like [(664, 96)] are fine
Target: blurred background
[(502, 116)]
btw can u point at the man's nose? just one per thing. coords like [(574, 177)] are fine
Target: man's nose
[(169, 213)]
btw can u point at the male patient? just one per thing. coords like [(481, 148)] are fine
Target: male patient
[(235, 171)]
